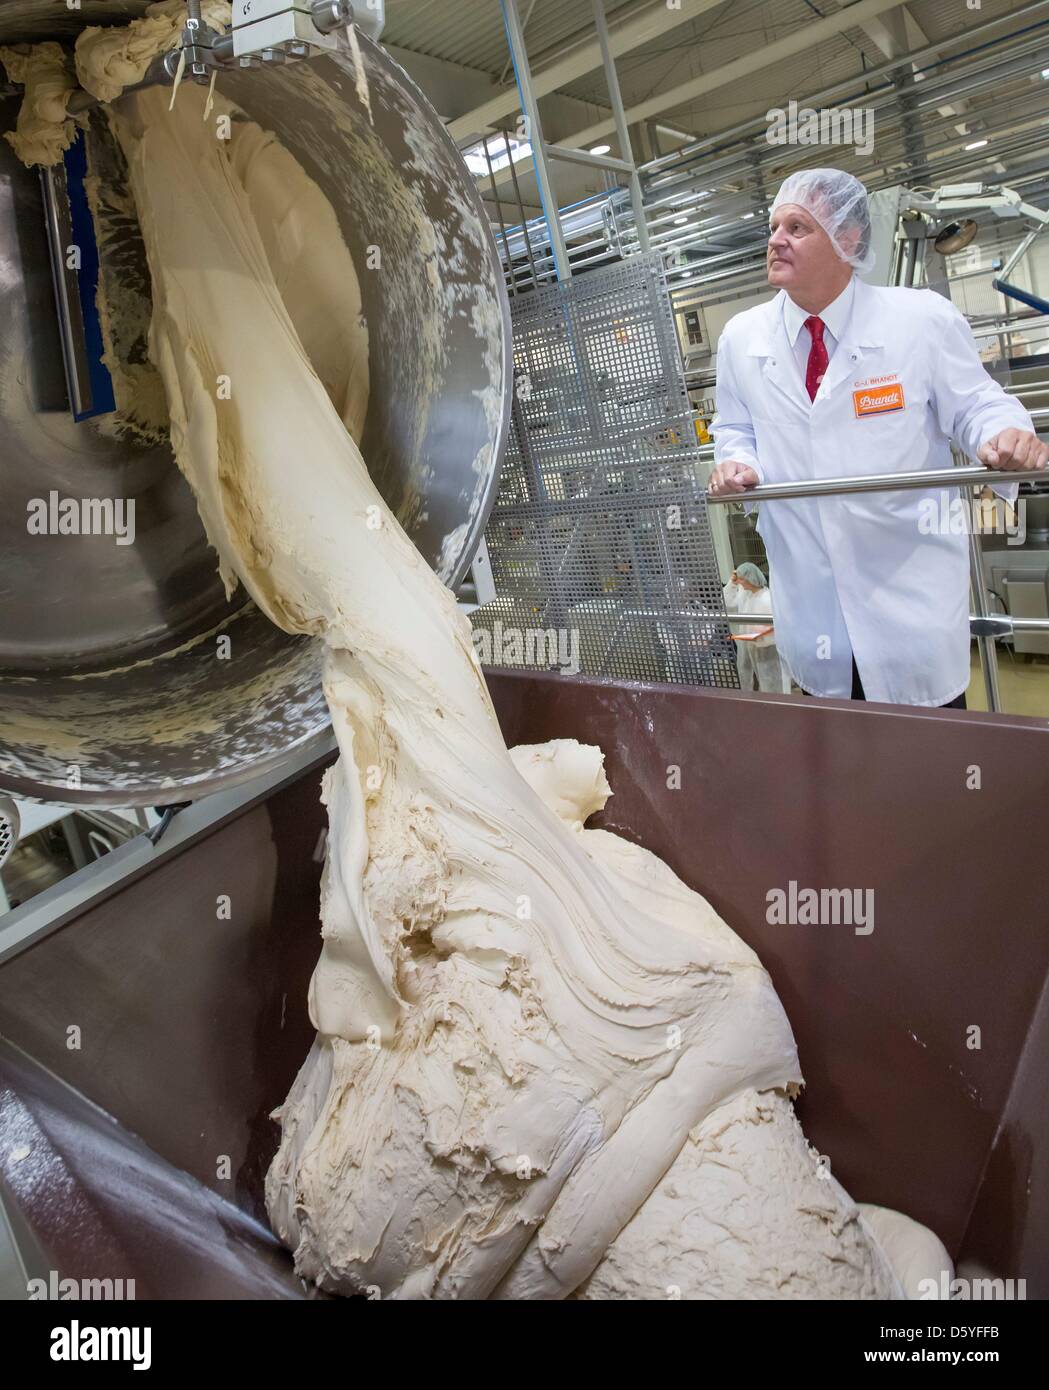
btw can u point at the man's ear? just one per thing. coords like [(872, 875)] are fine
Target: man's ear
[(849, 240)]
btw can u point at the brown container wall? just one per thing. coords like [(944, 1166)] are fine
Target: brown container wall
[(192, 1025)]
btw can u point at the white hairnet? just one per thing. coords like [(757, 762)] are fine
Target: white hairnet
[(751, 574), (838, 202)]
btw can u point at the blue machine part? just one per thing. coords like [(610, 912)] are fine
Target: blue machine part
[(1024, 296), (103, 401)]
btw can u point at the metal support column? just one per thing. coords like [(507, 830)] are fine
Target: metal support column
[(499, 214), (618, 115), (761, 193), (913, 135), (521, 211), (547, 196), (988, 650)]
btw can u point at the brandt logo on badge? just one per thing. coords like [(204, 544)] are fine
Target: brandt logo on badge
[(878, 400)]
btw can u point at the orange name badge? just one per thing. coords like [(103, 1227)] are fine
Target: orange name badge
[(878, 400)]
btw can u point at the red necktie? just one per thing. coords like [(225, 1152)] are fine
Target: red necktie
[(818, 358)]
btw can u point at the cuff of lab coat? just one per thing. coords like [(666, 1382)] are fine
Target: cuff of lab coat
[(1007, 491), (749, 507)]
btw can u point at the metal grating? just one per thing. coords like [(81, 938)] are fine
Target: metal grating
[(599, 542)]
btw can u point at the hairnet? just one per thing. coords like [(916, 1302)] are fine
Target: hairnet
[(752, 574), (838, 202)]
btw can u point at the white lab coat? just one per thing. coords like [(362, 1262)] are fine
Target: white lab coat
[(757, 659), (862, 574)]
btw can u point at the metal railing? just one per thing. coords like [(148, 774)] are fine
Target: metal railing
[(971, 475), (984, 625)]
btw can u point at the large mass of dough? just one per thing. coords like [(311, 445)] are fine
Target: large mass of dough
[(544, 1067)]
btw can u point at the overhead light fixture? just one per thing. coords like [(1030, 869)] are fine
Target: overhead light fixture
[(601, 149), (956, 236), (976, 145), (678, 221), (747, 215), (1045, 74)]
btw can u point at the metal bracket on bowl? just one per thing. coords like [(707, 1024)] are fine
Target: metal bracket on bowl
[(167, 814)]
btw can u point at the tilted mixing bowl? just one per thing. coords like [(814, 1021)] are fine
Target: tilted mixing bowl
[(110, 690)]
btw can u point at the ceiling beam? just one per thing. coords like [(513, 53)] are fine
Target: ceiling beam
[(655, 21), (889, 32), (899, 32), (802, 40)]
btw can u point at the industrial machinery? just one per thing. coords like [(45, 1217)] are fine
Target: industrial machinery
[(102, 645), (265, 32), (1005, 203)]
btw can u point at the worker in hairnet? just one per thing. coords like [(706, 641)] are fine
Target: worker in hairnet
[(834, 377), (757, 659)]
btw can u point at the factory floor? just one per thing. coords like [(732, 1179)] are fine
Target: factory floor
[(1022, 680)]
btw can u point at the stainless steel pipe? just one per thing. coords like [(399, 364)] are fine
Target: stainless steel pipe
[(973, 475)]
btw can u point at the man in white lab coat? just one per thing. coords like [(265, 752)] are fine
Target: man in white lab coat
[(870, 591)]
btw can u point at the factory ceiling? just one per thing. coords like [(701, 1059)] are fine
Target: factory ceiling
[(686, 73), (713, 65)]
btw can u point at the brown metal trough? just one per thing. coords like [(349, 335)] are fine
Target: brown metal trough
[(191, 1026)]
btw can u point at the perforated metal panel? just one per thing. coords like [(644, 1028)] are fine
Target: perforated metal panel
[(599, 542)]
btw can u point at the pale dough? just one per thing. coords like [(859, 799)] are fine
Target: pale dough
[(544, 1067), (107, 60), (43, 132), (312, 269), (918, 1257), (114, 57)]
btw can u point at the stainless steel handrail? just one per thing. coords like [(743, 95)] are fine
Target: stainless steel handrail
[(990, 624), (971, 475)]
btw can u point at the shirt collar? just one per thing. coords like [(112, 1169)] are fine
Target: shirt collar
[(835, 315)]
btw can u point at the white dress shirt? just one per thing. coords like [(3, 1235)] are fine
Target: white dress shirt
[(835, 319)]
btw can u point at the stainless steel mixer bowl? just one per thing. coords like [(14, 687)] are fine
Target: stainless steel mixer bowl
[(110, 687)]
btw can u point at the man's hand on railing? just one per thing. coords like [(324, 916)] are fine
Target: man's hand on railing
[(1015, 451), (732, 476)]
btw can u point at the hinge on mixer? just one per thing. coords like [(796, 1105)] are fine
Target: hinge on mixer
[(274, 31)]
